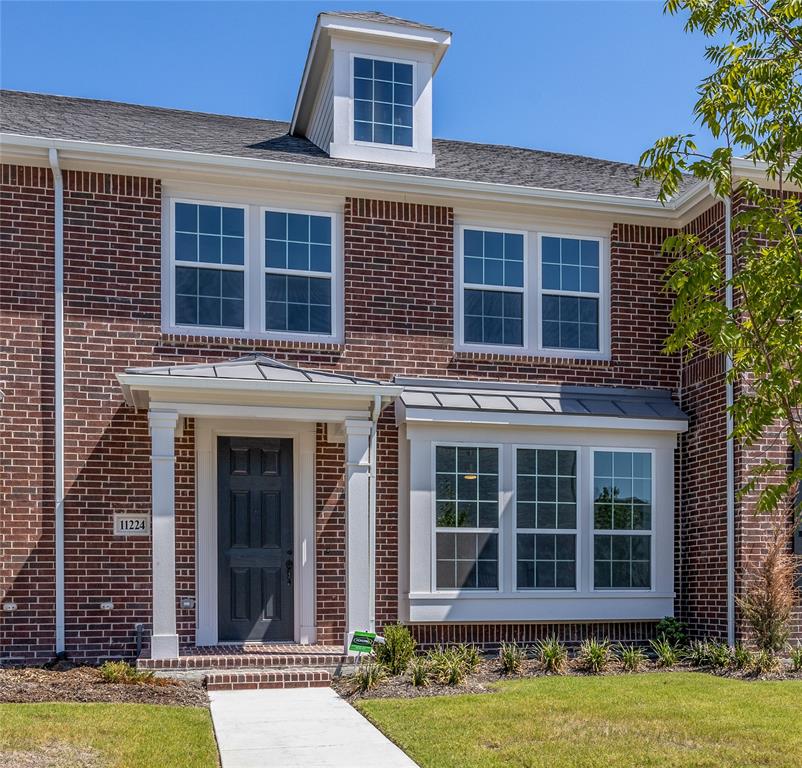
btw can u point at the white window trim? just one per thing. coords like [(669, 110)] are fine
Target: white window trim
[(602, 295), (532, 292), (577, 532), (436, 529), (334, 276), (351, 128), (254, 271), (640, 532)]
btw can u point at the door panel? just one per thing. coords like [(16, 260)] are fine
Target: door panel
[(255, 539)]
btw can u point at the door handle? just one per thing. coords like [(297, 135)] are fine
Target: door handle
[(289, 571)]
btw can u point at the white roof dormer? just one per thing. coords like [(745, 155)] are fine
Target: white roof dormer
[(366, 92)]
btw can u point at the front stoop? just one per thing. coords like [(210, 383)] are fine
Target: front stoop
[(228, 668), (238, 680)]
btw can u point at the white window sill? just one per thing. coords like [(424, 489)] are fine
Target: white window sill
[(535, 354), (240, 333), (546, 606)]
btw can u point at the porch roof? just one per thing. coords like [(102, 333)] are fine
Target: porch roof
[(458, 401), (252, 377)]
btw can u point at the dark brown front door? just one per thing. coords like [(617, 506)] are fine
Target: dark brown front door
[(254, 539)]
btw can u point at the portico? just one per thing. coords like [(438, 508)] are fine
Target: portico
[(255, 422)]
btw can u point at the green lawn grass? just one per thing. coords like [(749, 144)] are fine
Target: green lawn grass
[(122, 735), (680, 720)]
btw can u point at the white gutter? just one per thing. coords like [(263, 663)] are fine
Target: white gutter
[(730, 445), (374, 439), (58, 405), (409, 183)]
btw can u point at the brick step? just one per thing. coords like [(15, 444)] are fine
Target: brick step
[(240, 680), (238, 661)]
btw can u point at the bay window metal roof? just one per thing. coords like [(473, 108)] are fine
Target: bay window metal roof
[(454, 400)]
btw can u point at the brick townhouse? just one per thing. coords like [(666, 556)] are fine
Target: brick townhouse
[(274, 383)]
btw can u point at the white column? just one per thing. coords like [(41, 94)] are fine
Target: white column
[(357, 530), (164, 640)]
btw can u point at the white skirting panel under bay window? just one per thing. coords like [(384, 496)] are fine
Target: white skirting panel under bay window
[(513, 523)]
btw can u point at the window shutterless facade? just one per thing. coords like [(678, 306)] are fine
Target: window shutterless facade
[(531, 293), (251, 271), (466, 516), (622, 517), (546, 518), (383, 101)]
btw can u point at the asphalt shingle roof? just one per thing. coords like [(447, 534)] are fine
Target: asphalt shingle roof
[(62, 117), (380, 18)]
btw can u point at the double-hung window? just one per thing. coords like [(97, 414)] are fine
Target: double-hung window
[(298, 279), (252, 271), (530, 293), (466, 517), (622, 514), (493, 287), (209, 265), (569, 293), (546, 518), (383, 101)]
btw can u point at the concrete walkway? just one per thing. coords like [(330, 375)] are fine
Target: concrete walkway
[(297, 728)]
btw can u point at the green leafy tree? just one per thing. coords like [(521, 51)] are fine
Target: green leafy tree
[(751, 104)]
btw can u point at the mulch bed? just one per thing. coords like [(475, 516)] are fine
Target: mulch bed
[(83, 684), (489, 673)]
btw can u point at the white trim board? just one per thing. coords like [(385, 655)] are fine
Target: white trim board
[(207, 430)]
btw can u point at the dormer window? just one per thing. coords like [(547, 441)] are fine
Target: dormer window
[(383, 101), (366, 92)]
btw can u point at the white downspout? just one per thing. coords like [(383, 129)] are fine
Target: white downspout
[(374, 439), (58, 365), (729, 395)]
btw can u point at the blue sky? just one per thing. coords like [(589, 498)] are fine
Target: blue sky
[(601, 78)]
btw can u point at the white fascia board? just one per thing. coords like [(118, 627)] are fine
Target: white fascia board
[(518, 419), (144, 382), (161, 161)]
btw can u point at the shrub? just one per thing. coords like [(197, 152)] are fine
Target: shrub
[(553, 654), (672, 631), (667, 654), (719, 655), (511, 656), (470, 656), (771, 593), (765, 661), (368, 676), (397, 650), (123, 672), (741, 657), (448, 665), (594, 655), (698, 655), (632, 657), (796, 658), (419, 672)]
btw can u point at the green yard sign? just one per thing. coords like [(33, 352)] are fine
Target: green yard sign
[(362, 642)]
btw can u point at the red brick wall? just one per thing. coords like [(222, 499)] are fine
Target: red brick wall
[(398, 280), (26, 438)]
